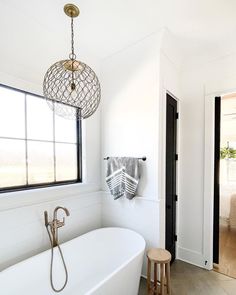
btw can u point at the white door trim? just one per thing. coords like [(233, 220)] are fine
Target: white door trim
[(209, 174)]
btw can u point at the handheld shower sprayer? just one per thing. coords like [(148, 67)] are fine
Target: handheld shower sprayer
[(52, 229)]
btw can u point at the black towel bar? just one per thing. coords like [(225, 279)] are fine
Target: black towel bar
[(143, 158)]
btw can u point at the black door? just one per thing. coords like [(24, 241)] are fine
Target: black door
[(171, 158), (216, 224)]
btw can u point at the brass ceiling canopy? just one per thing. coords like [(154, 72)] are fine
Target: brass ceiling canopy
[(71, 87), (71, 10)]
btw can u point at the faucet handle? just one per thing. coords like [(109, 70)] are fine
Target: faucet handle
[(60, 223), (46, 218)]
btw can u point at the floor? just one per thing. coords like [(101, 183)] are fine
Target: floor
[(187, 279), (227, 257)]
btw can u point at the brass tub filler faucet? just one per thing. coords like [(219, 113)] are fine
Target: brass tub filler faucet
[(52, 229)]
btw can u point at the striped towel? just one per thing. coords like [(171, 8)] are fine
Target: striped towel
[(122, 176)]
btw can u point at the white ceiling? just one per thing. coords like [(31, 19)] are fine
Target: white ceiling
[(35, 33)]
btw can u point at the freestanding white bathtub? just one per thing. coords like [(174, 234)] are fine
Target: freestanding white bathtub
[(106, 261)]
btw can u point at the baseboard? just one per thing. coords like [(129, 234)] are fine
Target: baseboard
[(192, 257), (145, 277)]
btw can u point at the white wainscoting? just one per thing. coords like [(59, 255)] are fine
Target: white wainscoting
[(139, 214), (23, 233)]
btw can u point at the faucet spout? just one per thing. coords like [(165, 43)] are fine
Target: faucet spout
[(55, 224), (60, 208)]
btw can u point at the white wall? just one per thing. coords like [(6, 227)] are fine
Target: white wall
[(129, 125), (200, 84), (135, 81), (21, 213)]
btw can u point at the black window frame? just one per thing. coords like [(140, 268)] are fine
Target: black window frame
[(55, 183)]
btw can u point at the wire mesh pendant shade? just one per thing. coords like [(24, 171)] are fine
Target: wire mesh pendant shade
[(72, 89), (70, 86)]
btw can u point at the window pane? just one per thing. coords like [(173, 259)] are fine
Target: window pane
[(66, 161), (12, 163), (12, 113), (40, 162), (65, 129), (39, 119)]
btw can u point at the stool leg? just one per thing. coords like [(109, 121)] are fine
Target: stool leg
[(155, 278), (168, 278), (162, 279), (148, 276)]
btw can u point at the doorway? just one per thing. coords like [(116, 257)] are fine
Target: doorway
[(171, 158), (224, 245)]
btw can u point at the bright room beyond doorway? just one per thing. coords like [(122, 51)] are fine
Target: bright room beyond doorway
[(227, 241)]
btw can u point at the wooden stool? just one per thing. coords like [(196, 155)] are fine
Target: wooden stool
[(160, 257)]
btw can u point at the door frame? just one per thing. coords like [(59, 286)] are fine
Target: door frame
[(175, 173), (216, 205), (209, 175), (162, 165)]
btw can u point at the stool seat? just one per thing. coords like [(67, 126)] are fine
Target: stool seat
[(160, 258), (159, 255)]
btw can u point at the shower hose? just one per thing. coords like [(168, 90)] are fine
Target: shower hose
[(51, 264)]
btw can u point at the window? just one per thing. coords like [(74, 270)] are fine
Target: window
[(37, 147)]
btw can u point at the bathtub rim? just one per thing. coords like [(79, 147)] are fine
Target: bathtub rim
[(137, 253)]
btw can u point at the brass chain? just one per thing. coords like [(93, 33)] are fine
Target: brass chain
[(72, 55), (72, 36)]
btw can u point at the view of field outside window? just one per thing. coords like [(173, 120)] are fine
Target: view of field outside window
[(36, 146)]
